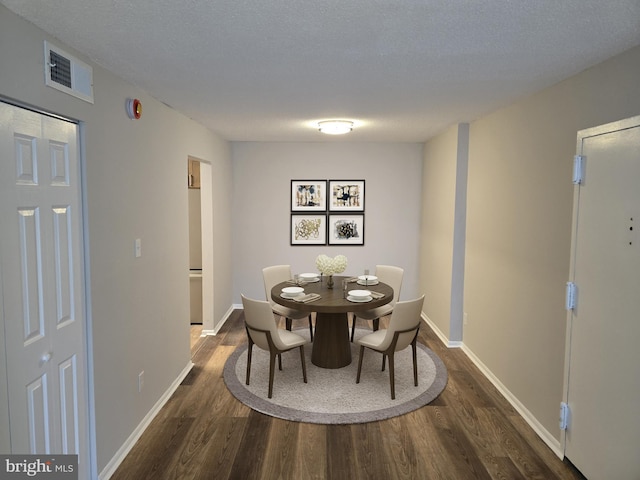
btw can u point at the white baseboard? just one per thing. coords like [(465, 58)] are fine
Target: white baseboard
[(222, 322), (443, 338), (542, 432), (122, 452)]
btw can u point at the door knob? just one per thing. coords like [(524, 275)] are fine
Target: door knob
[(46, 358)]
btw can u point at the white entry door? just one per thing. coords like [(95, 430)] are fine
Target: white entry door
[(41, 265), (603, 382)]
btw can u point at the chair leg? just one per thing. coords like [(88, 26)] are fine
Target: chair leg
[(304, 366), (376, 324), (359, 361), (310, 328), (353, 327), (249, 361), (384, 359), (415, 363), (272, 367), (287, 322), (392, 379), (280, 361)]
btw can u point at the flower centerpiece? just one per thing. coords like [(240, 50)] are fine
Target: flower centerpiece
[(329, 266)]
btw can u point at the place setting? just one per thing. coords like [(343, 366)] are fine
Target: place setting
[(298, 294)]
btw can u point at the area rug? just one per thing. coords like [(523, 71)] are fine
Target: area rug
[(332, 396)]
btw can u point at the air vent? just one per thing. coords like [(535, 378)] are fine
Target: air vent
[(66, 73)]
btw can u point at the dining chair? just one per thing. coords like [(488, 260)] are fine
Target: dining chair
[(263, 332), (278, 274), (402, 331), (392, 276)]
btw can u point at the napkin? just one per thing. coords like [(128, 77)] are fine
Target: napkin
[(377, 295), (309, 297)]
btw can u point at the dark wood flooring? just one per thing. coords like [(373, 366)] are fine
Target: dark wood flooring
[(469, 432)]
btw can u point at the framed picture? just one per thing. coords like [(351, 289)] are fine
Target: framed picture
[(346, 195), (346, 229), (308, 195), (308, 229)]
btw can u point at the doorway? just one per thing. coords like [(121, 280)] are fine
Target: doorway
[(602, 386), (200, 242)]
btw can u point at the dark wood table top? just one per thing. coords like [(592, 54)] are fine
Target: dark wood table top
[(332, 299)]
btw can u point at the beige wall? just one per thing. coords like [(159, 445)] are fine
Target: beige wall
[(519, 228), (135, 188)]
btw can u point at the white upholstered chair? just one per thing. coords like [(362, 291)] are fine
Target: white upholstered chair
[(263, 332), (272, 276), (392, 276), (402, 332)]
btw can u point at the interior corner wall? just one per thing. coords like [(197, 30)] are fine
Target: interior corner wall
[(442, 234), (519, 219), (135, 188), (262, 207)]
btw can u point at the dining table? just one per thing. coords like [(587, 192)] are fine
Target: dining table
[(331, 347)]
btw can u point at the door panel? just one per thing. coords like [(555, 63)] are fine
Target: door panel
[(603, 384), (42, 285)]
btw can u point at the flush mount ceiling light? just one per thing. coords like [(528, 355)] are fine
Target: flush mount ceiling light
[(335, 127)]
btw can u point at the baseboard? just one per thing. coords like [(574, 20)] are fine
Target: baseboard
[(542, 432), (221, 323), (122, 452), (443, 338)]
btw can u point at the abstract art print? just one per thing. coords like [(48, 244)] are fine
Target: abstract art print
[(308, 229), (308, 195), (346, 229), (346, 195)]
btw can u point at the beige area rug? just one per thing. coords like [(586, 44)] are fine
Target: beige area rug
[(332, 396)]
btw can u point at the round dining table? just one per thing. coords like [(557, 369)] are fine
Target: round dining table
[(331, 346)]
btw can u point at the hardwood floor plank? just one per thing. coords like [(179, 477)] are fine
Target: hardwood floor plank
[(280, 456), (340, 461), (311, 458), (371, 460), (252, 448)]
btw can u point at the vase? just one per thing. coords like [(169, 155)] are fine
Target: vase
[(330, 281)]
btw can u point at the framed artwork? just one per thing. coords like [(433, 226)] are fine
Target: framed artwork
[(346, 229), (346, 195), (308, 229), (308, 195)]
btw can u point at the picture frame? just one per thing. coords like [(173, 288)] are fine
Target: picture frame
[(346, 195), (308, 229), (346, 230), (308, 195)]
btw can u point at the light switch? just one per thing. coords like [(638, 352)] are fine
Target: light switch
[(138, 247)]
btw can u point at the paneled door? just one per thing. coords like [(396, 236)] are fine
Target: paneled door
[(603, 384), (42, 286)]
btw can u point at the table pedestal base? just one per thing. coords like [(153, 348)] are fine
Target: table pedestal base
[(331, 346)]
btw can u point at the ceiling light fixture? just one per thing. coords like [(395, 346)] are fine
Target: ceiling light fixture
[(335, 127)]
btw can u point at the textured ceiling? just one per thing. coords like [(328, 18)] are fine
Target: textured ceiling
[(256, 70)]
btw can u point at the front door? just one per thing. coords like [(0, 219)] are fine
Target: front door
[(603, 384), (42, 292)]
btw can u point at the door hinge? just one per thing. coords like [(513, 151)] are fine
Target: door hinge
[(564, 416), (578, 169), (570, 296)]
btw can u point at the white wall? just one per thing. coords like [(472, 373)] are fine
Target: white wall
[(262, 207), (135, 188)]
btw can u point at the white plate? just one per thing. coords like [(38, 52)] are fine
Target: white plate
[(366, 283), (290, 295), (292, 291), (359, 293), (359, 299), (368, 278), (309, 276)]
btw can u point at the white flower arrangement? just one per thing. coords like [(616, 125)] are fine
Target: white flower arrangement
[(330, 266)]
